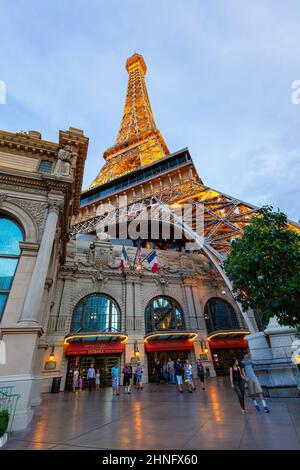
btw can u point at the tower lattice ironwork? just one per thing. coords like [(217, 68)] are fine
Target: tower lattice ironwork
[(139, 147)]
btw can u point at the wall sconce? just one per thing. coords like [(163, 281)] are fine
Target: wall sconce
[(52, 355), (204, 347), (136, 349)]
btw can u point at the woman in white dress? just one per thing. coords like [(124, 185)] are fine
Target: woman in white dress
[(75, 379), (97, 379)]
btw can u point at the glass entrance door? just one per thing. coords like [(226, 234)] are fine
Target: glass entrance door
[(103, 362), (163, 356)]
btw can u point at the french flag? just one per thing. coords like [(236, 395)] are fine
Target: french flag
[(152, 260), (124, 258)]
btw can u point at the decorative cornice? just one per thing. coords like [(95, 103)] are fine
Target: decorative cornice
[(22, 328)]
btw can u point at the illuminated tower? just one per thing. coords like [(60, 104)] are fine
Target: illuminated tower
[(140, 166), (138, 142)]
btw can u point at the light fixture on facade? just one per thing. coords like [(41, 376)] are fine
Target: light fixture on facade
[(52, 355), (136, 349), (204, 347)]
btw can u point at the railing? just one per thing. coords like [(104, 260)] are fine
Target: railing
[(9, 401), (56, 323)]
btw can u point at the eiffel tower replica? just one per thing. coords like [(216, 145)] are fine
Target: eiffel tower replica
[(140, 166)]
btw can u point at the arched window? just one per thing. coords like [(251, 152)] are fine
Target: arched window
[(96, 312), (162, 314), (10, 236), (219, 315)]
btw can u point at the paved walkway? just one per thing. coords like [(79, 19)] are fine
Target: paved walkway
[(159, 418)]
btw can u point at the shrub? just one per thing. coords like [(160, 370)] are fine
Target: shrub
[(4, 419)]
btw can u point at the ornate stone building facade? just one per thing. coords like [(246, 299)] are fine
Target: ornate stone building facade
[(189, 281), (40, 184)]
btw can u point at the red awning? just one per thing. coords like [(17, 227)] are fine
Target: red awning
[(168, 345), (101, 347), (223, 343)]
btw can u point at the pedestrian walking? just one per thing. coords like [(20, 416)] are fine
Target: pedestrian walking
[(97, 382), (80, 383), (170, 369), (75, 379), (165, 371), (201, 373), (134, 366), (253, 383), (91, 374), (127, 376), (115, 376), (236, 380), (178, 368), (157, 371), (188, 376), (139, 375)]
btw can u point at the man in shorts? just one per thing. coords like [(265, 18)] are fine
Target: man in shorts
[(253, 383), (115, 376), (178, 374), (139, 375)]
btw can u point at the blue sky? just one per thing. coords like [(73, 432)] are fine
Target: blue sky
[(219, 79)]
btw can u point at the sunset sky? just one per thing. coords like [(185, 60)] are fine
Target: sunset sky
[(219, 80)]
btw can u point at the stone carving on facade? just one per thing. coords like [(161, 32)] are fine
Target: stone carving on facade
[(22, 134), (37, 211), (3, 196), (14, 187), (66, 161)]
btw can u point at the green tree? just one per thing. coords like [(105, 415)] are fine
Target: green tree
[(264, 267)]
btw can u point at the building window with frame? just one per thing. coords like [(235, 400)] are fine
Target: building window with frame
[(96, 312), (45, 166), (220, 315), (163, 314), (11, 235)]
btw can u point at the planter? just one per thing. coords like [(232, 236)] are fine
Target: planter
[(3, 439)]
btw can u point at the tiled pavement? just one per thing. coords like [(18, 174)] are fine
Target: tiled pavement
[(159, 418)]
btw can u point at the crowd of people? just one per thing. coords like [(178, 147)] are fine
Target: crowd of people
[(173, 372), (181, 373)]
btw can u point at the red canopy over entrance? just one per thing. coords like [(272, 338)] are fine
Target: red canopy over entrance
[(168, 345), (223, 343), (101, 347)]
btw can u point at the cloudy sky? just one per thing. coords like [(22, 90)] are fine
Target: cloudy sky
[(219, 79)]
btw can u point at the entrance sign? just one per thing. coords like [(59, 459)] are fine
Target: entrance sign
[(222, 343), (105, 347), (168, 345)]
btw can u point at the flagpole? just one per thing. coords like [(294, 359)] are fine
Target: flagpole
[(147, 256), (123, 248), (136, 252), (128, 259)]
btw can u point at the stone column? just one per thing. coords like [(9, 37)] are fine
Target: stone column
[(31, 307)]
